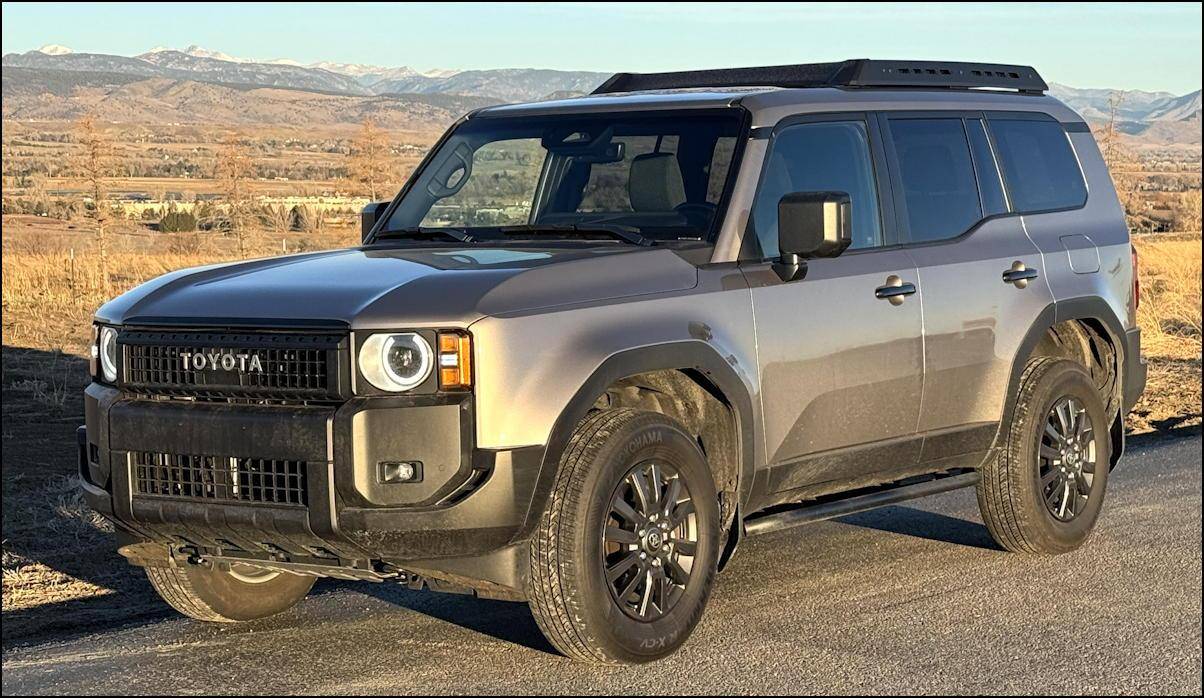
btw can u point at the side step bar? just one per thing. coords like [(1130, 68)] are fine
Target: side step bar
[(809, 513)]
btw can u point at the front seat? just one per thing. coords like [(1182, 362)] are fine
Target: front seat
[(654, 183)]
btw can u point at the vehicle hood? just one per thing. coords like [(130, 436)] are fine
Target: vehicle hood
[(393, 287)]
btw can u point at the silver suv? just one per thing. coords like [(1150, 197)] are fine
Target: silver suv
[(595, 342)]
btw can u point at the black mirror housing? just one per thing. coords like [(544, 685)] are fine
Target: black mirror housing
[(814, 224), (368, 217)]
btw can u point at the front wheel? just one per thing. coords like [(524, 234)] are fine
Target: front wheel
[(625, 555), (228, 594)]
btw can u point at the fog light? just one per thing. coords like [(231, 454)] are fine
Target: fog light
[(400, 471)]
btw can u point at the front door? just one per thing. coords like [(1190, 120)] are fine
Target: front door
[(841, 349)]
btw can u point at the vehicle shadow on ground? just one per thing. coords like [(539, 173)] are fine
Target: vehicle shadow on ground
[(508, 621), (924, 524)]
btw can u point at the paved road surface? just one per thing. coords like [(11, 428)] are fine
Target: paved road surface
[(911, 598)]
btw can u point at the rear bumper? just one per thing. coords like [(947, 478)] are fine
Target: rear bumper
[(460, 518)]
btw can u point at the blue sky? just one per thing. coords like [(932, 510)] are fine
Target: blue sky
[(1118, 45)]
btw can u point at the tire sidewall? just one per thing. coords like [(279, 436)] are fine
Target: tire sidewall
[(646, 438), (1064, 379), (239, 600)]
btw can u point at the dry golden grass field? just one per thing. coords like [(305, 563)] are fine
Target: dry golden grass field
[(56, 552)]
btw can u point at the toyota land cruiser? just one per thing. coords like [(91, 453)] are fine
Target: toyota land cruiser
[(595, 342)]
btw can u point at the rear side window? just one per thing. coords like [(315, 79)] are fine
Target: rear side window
[(940, 190), (1039, 166)]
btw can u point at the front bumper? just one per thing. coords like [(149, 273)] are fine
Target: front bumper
[(459, 521)]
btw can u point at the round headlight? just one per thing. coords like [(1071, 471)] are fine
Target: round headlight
[(396, 362), (108, 354)]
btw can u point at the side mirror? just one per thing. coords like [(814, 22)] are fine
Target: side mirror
[(811, 224), (368, 217)]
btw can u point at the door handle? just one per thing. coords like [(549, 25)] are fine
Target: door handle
[(1019, 275), (895, 290)]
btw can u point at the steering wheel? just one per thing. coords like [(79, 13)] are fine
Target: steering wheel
[(696, 214)]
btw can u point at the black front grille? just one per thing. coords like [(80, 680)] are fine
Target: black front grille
[(226, 365), (220, 478)]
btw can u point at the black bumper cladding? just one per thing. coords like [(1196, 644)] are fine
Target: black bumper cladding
[(298, 484)]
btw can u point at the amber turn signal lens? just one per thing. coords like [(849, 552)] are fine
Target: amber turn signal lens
[(455, 360)]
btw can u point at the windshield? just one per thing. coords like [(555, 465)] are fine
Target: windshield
[(660, 176)]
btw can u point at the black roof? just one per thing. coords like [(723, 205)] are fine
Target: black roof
[(860, 72)]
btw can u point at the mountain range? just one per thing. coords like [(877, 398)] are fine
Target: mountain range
[(111, 80)]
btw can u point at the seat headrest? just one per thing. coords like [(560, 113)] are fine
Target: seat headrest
[(654, 183)]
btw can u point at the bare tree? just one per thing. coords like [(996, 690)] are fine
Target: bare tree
[(94, 162), (1119, 159), (234, 168), (370, 163)]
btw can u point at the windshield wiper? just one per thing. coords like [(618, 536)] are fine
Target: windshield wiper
[(424, 233), (619, 232)]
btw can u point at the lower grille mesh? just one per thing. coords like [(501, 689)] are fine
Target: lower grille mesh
[(220, 478)]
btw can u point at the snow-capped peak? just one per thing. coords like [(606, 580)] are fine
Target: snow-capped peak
[(54, 50)]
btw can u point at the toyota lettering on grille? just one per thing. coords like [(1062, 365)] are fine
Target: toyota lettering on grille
[(224, 361)]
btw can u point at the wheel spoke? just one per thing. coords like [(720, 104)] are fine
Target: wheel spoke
[(1050, 454), (616, 570), (678, 574), (680, 513), (1052, 432), (1051, 498), (671, 496), (623, 509), (631, 585), (1065, 500), (1048, 478), (642, 492), (646, 600), (686, 547), (658, 484), (622, 536), (665, 590), (1084, 487), (1064, 419)]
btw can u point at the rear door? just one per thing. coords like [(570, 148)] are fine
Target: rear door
[(981, 278), (841, 367)]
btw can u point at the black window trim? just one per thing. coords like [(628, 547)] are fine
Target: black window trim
[(886, 211), (895, 232)]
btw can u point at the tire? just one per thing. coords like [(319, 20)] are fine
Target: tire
[(1031, 494), (581, 538), (228, 595)]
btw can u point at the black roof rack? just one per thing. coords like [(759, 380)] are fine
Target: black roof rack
[(859, 72)]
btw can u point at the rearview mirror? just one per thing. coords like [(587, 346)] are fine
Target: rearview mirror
[(811, 224), (368, 217)]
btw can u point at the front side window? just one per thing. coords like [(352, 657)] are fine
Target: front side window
[(656, 173), (936, 172), (1040, 168), (815, 157)]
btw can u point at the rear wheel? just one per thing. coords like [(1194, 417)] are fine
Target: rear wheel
[(230, 594), (1044, 491), (625, 555)]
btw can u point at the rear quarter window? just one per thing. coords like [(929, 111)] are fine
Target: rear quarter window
[(1039, 166)]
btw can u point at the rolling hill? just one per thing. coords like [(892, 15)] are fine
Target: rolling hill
[(198, 85)]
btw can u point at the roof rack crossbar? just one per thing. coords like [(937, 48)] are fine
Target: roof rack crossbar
[(860, 72)]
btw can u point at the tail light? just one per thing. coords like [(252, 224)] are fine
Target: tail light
[(1136, 279)]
